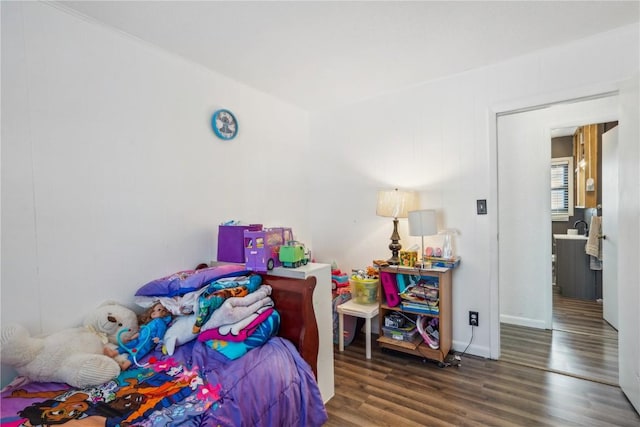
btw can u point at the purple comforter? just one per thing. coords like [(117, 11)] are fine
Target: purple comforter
[(197, 386)]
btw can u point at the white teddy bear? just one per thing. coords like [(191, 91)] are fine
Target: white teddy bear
[(74, 356)]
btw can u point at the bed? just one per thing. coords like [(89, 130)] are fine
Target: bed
[(271, 385)]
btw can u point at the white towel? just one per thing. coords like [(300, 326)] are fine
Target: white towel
[(593, 241), (593, 246)]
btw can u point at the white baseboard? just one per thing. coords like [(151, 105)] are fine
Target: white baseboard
[(522, 321), (476, 350)]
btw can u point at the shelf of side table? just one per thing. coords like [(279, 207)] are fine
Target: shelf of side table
[(418, 347)]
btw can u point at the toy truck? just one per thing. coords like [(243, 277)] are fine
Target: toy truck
[(293, 254), (262, 247)]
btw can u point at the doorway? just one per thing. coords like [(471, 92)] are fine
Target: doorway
[(528, 334), (584, 163)]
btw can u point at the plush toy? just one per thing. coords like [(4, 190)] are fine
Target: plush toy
[(74, 356), (153, 325)]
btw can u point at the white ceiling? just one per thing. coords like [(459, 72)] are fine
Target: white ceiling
[(320, 55)]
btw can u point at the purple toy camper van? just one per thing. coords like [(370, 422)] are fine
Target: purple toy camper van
[(262, 247)]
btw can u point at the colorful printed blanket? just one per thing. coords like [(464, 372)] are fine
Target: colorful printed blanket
[(197, 386)]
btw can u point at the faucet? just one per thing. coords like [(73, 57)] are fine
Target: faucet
[(586, 227)]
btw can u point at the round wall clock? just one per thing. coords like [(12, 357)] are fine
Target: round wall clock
[(224, 124)]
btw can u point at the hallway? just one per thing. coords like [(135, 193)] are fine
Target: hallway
[(581, 343)]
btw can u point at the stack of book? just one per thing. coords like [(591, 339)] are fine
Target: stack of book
[(443, 262), (421, 297)]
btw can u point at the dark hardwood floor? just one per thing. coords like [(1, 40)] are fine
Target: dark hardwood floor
[(581, 343), (393, 389)]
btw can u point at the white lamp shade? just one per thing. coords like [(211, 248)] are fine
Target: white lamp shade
[(423, 223), (396, 203)]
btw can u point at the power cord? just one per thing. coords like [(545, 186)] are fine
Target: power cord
[(467, 347), (457, 358)]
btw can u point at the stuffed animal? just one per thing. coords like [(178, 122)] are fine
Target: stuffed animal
[(74, 356)]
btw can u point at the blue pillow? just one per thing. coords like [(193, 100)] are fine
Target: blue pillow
[(187, 281)]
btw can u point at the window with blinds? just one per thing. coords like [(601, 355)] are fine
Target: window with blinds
[(561, 188)]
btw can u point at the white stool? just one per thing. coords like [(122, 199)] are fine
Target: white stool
[(365, 311)]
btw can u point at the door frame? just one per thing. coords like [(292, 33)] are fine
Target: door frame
[(515, 107), (609, 247)]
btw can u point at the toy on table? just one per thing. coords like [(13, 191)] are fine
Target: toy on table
[(364, 285), (262, 247), (293, 254), (154, 322), (433, 252), (339, 280)]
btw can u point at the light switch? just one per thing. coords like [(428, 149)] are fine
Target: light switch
[(482, 206)]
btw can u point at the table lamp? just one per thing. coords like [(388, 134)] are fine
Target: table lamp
[(395, 204), (422, 223)]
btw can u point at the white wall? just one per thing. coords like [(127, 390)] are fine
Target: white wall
[(111, 175), (439, 138)]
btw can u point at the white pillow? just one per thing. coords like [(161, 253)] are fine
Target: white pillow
[(180, 332)]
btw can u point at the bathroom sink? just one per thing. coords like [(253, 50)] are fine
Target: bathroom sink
[(570, 236)]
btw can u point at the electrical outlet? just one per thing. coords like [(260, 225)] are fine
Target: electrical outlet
[(473, 318)]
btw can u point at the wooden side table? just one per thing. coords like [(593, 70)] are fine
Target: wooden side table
[(365, 311)]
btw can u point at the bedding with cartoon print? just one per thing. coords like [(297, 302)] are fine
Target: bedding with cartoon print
[(271, 385)]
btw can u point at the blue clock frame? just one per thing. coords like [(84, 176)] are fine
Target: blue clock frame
[(224, 124)]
